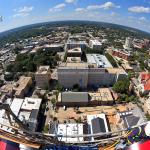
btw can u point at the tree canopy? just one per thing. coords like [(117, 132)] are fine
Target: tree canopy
[(122, 86), (30, 62)]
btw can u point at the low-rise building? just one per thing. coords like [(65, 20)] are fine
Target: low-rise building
[(70, 130), (147, 106), (75, 44), (73, 99), (131, 118), (54, 47), (144, 80), (97, 124), (102, 97), (95, 44), (75, 52), (27, 110), (73, 60), (22, 86), (42, 77), (97, 60), (120, 53)]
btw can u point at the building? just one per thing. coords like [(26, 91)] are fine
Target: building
[(97, 124), (131, 118), (147, 106), (30, 111), (95, 44), (76, 43), (75, 52), (73, 60), (97, 60), (54, 47), (102, 97), (70, 74), (127, 67), (70, 130), (42, 77), (121, 53), (22, 86), (99, 77), (16, 105), (128, 44), (26, 110), (73, 99), (144, 80)]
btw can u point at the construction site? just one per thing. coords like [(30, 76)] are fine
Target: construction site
[(70, 135)]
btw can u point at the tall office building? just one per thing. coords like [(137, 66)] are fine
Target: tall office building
[(128, 44)]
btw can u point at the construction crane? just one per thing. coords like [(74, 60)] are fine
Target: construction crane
[(9, 112), (22, 135)]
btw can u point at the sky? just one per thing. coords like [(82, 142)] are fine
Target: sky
[(132, 13)]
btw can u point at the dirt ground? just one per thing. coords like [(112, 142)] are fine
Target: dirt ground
[(84, 111)]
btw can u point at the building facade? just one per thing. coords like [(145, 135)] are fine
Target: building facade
[(84, 76), (43, 76)]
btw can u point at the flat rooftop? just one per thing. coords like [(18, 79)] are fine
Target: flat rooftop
[(89, 121), (76, 42), (70, 129), (98, 60), (72, 97), (53, 45), (103, 94), (75, 50), (16, 105), (43, 70), (74, 65), (31, 103), (22, 83), (96, 42), (74, 59), (115, 70)]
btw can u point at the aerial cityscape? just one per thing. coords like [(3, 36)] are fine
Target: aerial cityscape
[(69, 82)]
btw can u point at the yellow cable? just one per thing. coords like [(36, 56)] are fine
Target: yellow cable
[(118, 141)]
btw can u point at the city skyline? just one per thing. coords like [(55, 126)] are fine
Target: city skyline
[(124, 12)]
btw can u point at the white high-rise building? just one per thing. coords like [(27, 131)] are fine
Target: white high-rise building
[(128, 44)]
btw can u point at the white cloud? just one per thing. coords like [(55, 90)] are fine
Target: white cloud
[(58, 7), (143, 19), (139, 9), (93, 7), (23, 11), (113, 14), (80, 10), (107, 5), (70, 1)]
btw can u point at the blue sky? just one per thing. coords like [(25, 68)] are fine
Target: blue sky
[(133, 13)]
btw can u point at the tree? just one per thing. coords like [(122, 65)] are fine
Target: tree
[(9, 77), (46, 128), (17, 49), (58, 87), (111, 59), (57, 57), (30, 66), (122, 86), (127, 98), (9, 68), (53, 100), (1, 83)]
